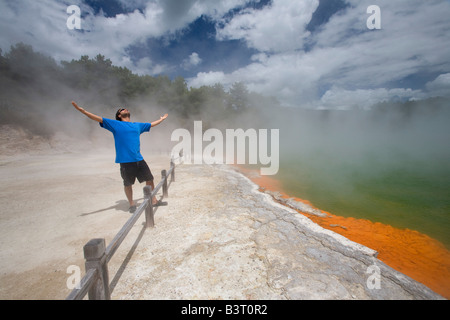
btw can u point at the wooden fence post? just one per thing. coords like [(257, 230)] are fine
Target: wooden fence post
[(149, 214), (172, 174), (164, 179), (94, 253)]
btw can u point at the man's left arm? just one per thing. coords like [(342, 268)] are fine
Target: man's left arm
[(155, 123)]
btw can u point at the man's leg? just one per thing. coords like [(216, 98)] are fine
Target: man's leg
[(144, 174), (127, 171), (150, 183), (129, 194)]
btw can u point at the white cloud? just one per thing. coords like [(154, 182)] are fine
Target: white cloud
[(169, 16), (440, 86), (207, 78), (289, 76), (279, 27), (192, 61)]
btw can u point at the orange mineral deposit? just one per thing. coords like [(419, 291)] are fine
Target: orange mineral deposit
[(410, 252)]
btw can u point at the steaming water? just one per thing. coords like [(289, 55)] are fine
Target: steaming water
[(391, 171), (405, 196)]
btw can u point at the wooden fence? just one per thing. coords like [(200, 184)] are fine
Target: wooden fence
[(95, 282)]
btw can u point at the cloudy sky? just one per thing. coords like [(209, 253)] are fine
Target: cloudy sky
[(309, 53)]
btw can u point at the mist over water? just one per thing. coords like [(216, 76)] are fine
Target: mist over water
[(388, 165)]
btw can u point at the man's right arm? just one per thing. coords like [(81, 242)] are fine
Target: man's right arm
[(87, 113)]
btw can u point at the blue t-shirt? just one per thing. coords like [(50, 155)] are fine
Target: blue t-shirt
[(126, 138)]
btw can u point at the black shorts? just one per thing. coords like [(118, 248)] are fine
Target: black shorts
[(132, 170)]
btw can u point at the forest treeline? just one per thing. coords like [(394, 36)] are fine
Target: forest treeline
[(34, 87)]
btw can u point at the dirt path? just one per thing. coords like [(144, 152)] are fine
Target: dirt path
[(51, 206)]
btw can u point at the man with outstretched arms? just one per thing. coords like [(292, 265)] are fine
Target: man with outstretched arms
[(127, 142)]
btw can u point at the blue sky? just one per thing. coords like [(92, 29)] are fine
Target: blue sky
[(308, 53)]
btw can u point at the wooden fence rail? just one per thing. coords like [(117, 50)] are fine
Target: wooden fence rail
[(95, 282)]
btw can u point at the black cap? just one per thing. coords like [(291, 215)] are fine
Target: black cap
[(118, 112)]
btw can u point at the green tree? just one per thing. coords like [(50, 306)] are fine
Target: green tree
[(26, 65), (238, 99)]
